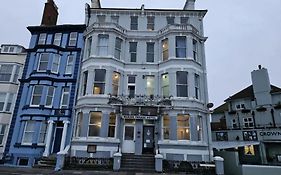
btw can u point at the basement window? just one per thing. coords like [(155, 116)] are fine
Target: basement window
[(23, 161)]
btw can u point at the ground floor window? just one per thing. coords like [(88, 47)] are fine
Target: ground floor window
[(79, 124), (29, 131), (43, 131), (111, 128), (166, 127), (183, 127), (95, 124)]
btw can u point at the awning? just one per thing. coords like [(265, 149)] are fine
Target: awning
[(233, 144)]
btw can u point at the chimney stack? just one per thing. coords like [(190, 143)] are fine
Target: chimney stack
[(50, 14), (189, 5), (261, 86), (96, 4)]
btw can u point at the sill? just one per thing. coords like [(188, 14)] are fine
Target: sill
[(5, 112)]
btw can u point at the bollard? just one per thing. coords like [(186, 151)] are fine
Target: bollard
[(219, 162), (159, 163), (117, 161)]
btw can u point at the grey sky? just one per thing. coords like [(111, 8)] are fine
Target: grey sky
[(242, 34)]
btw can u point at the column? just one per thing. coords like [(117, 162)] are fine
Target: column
[(48, 138), (64, 132)]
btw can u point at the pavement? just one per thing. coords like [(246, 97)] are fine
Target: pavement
[(6, 170)]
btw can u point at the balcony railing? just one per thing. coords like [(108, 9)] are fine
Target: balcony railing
[(140, 100)]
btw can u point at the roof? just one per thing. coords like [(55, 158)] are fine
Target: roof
[(221, 109), (249, 93), (55, 28)]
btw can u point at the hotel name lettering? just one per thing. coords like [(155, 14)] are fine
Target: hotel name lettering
[(270, 133), (140, 117)]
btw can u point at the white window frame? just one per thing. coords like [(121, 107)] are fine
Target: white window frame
[(79, 125), (72, 39), (16, 73), (57, 39), (166, 85), (184, 127), (7, 73), (96, 82), (180, 85), (44, 132), (166, 127), (103, 47), (133, 52), (150, 23), (132, 85), (10, 99), (31, 101), (42, 38), (115, 84), (195, 49), (134, 25), (69, 65), (94, 124), (112, 125), (89, 46), (152, 88), (248, 121), (165, 51), (181, 49), (24, 132), (197, 86), (152, 44), (51, 96), (63, 94), (40, 61), (56, 62), (118, 51), (3, 125)]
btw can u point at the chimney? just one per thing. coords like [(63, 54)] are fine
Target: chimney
[(96, 4), (50, 14), (189, 5), (261, 86)]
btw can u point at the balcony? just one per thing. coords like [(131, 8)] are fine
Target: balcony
[(140, 100)]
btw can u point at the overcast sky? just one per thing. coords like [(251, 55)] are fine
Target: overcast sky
[(242, 34)]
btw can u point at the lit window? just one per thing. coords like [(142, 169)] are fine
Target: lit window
[(250, 135), (131, 85), (57, 39), (195, 50), (150, 52), (29, 131), (6, 72), (165, 85), (149, 85), (115, 83), (112, 123), (134, 23), (197, 86), (221, 136), (95, 124), (42, 38), (182, 84), (43, 131), (56, 63), (170, 20), (37, 93), (2, 132), (133, 51), (69, 64), (249, 150), (50, 96), (166, 127), (43, 62), (72, 39), (85, 80), (165, 49), (183, 131), (79, 124), (181, 47), (118, 48), (99, 84), (103, 45), (150, 23), (65, 97)]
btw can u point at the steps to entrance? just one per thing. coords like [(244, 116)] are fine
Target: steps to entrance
[(138, 163), (46, 162)]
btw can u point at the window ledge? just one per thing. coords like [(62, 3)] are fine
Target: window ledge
[(96, 139)]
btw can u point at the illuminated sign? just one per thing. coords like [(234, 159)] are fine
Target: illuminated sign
[(140, 117)]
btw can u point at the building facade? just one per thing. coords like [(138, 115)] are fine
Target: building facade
[(143, 84), (42, 121), (248, 123), (12, 58)]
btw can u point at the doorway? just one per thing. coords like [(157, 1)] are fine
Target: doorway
[(57, 137), (148, 140)]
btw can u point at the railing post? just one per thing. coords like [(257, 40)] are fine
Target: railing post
[(219, 162)]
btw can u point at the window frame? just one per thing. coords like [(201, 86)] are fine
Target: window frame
[(4, 95), (50, 96), (97, 82), (248, 122), (134, 23), (180, 49), (84, 83), (150, 90), (195, 49), (166, 128), (197, 86), (150, 52), (40, 62), (57, 39), (56, 62), (188, 127), (79, 125), (73, 37), (131, 84), (9, 102), (165, 50), (181, 84), (43, 132), (69, 65), (2, 135), (118, 50), (112, 125), (133, 52), (164, 86), (29, 131), (89, 46), (170, 20), (63, 94), (42, 37), (150, 23), (37, 95), (95, 124), (103, 49), (7, 72), (114, 85)]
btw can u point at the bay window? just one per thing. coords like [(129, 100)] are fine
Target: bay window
[(95, 124), (181, 47), (29, 131), (42, 133), (65, 97), (79, 124), (165, 50), (112, 124), (166, 127), (50, 96), (183, 127), (56, 63), (118, 48), (69, 64), (6, 72), (115, 83), (165, 85), (99, 83), (197, 86), (43, 62), (103, 45), (182, 85), (36, 96)]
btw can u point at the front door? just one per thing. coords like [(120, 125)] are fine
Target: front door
[(148, 139), (57, 140), (128, 145)]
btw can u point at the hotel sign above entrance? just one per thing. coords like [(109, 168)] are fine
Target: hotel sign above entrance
[(140, 117)]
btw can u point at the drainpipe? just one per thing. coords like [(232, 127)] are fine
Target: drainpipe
[(273, 118)]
